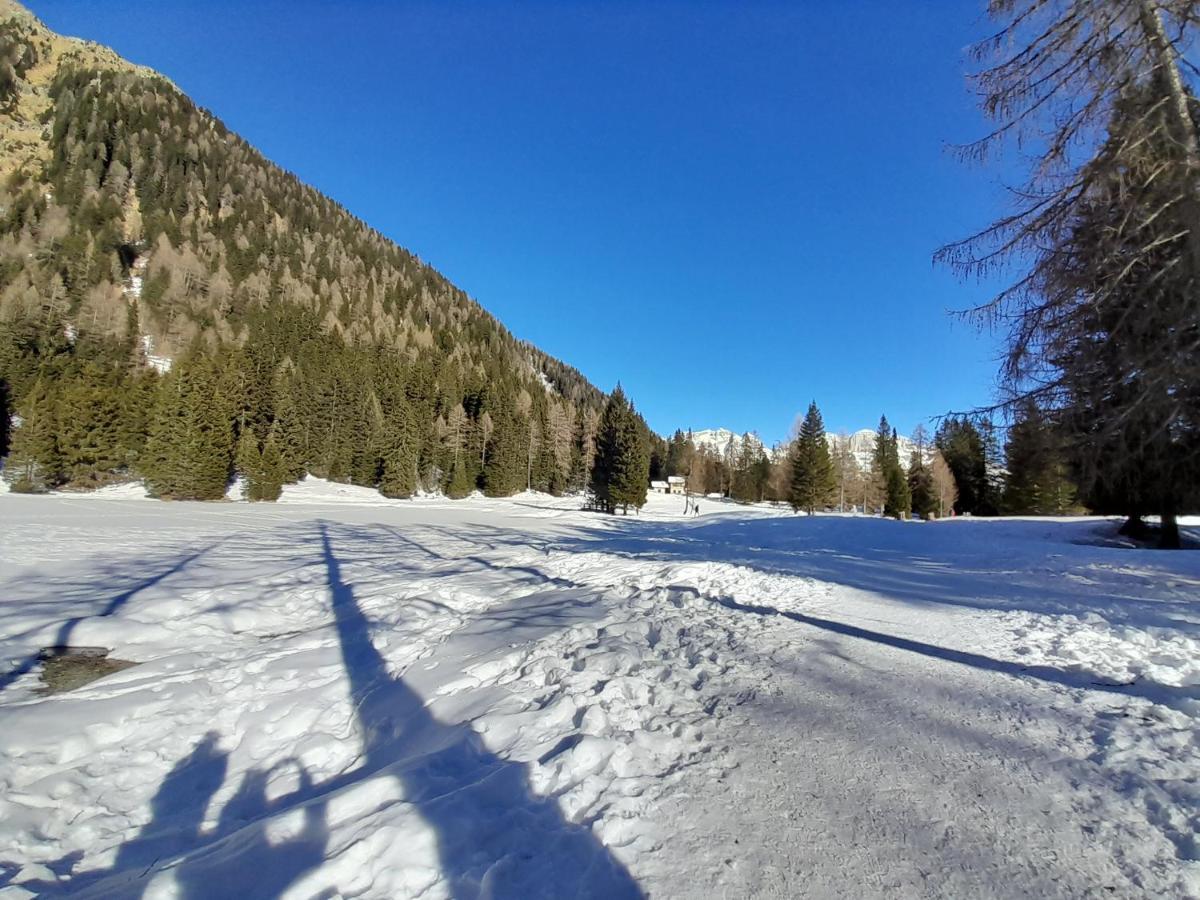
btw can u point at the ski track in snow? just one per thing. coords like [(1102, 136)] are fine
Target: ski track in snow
[(342, 696)]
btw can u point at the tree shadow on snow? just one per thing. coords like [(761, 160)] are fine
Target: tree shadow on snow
[(896, 560), (90, 591), (496, 838), (978, 564)]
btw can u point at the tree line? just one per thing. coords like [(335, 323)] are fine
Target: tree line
[(962, 469)]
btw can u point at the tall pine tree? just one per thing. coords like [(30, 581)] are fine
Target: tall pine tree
[(621, 471), (812, 469)]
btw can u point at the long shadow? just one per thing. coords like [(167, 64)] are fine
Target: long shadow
[(927, 582), (67, 628), (1157, 693), (496, 838), (954, 564)]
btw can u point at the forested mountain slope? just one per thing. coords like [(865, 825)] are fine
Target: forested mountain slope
[(168, 295)]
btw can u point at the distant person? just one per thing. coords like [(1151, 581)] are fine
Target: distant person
[(696, 508)]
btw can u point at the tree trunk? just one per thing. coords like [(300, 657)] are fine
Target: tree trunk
[(1164, 56), (1168, 538)]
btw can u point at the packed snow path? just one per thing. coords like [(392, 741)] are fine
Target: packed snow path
[(518, 699)]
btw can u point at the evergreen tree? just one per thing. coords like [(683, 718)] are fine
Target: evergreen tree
[(877, 488), (962, 448), (1038, 481), (621, 471), (506, 471), (461, 484), (190, 447), (898, 502), (248, 462), (272, 471), (921, 487), (812, 469), (89, 418), (400, 454), (35, 461), (288, 431)]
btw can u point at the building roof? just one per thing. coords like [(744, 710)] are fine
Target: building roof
[(658, 484), (676, 479)]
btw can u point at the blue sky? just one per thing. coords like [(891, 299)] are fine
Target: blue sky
[(729, 207)]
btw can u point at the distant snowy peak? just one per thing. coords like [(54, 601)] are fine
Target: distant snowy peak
[(863, 442), (722, 441)]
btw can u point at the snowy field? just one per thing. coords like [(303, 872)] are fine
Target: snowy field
[(340, 696)]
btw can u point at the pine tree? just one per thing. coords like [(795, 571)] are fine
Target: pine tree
[(288, 431), (899, 498), (272, 472), (921, 487), (962, 447), (400, 453), (190, 447), (621, 471), (35, 461), (461, 484), (812, 469), (1037, 482)]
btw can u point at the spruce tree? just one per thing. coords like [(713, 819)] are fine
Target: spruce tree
[(962, 447), (5, 416), (812, 469), (288, 431), (189, 450), (621, 470), (921, 487), (89, 416), (461, 483), (875, 485), (1038, 482), (248, 462), (899, 501), (34, 460), (506, 469), (399, 477), (272, 472)]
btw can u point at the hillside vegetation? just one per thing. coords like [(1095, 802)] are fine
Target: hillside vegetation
[(168, 295)]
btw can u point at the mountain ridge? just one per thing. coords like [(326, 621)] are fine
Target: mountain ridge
[(723, 441)]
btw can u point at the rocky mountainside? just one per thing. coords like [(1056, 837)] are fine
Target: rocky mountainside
[(723, 443)]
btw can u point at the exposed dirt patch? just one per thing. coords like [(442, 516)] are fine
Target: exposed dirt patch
[(68, 668)]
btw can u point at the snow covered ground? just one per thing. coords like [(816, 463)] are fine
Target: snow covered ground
[(343, 696)]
